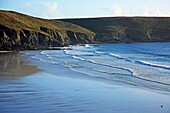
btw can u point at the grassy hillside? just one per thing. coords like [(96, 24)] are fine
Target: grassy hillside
[(20, 21), (132, 29), (27, 32), (20, 31)]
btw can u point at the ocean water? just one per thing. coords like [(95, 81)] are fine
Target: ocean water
[(99, 78), (141, 64)]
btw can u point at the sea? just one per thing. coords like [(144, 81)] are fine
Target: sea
[(142, 64), (89, 78)]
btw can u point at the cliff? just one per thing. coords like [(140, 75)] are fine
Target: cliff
[(126, 29), (22, 32)]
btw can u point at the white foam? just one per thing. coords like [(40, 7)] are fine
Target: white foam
[(87, 46), (34, 57), (154, 64), (76, 57), (99, 52), (66, 52), (115, 55), (43, 52)]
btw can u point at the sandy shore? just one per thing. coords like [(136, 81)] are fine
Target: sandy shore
[(57, 89), (6, 51), (13, 65)]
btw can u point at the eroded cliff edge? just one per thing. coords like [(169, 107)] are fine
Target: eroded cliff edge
[(22, 32), (126, 29)]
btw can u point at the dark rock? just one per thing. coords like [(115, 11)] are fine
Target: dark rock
[(23, 32), (31, 40), (126, 29)]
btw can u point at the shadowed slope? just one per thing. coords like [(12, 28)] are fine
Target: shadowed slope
[(22, 31), (127, 29)]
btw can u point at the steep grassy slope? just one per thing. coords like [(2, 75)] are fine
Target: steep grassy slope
[(127, 29), (21, 31)]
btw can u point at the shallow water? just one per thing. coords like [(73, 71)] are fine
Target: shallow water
[(48, 93), (121, 78), (146, 64)]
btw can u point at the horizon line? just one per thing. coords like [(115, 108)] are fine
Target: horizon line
[(84, 17)]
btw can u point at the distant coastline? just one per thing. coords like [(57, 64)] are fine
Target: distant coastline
[(22, 32)]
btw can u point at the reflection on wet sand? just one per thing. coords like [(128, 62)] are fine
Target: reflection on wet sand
[(13, 66)]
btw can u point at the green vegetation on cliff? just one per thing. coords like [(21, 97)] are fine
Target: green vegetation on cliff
[(126, 29), (22, 31)]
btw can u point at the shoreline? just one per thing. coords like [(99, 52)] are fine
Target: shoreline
[(6, 52), (64, 47), (13, 65), (163, 88), (59, 89)]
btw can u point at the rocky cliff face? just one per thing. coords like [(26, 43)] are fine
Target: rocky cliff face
[(22, 32), (16, 34), (127, 29), (25, 39)]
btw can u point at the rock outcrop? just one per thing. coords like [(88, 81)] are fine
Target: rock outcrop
[(22, 32), (126, 29)]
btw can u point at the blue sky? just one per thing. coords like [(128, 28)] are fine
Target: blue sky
[(88, 8)]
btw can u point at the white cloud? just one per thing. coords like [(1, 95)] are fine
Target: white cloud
[(117, 10), (157, 11), (160, 12), (145, 11), (50, 10)]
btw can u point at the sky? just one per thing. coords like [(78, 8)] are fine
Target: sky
[(87, 8)]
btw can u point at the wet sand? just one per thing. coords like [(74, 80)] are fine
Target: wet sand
[(49, 88), (13, 65)]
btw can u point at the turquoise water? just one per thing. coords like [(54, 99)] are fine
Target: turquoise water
[(142, 64)]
